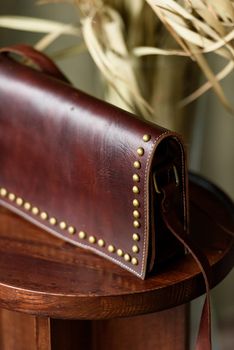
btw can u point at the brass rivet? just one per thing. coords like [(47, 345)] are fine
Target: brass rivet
[(137, 164), (135, 249), (3, 192), (111, 248), (135, 190), (92, 239), (136, 224), (63, 225), (19, 201), (140, 151), (135, 237), (120, 252), (136, 203), (146, 138), (11, 196), (127, 257), (136, 214), (53, 221), (136, 177), (101, 243), (35, 210), (134, 261), (71, 230), (44, 215), (82, 235), (27, 206)]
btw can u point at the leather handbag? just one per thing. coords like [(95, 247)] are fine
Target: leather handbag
[(91, 173), (85, 170)]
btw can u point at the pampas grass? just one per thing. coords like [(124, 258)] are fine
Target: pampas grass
[(143, 47)]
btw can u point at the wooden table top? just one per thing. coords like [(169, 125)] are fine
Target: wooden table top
[(45, 276)]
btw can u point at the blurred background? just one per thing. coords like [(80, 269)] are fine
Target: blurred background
[(211, 140)]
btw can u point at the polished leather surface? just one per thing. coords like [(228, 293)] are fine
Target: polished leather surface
[(72, 156)]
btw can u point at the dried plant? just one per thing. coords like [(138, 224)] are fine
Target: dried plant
[(130, 41)]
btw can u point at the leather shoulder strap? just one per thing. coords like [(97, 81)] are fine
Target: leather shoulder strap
[(172, 223), (45, 64)]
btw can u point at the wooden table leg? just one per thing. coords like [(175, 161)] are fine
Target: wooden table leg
[(23, 332), (166, 330)]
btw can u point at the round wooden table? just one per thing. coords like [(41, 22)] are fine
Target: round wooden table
[(56, 296)]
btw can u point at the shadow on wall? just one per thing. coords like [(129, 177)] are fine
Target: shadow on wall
[(213, 142)]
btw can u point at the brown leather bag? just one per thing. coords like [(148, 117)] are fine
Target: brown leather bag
[(90, 173), (85, 170)]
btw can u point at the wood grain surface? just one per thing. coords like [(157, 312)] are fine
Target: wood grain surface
[(20, 331), (165, 330), (44, 276)]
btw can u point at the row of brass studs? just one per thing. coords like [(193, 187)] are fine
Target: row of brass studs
[(35, 211), (136, 190), (111, 248), (63, 225)]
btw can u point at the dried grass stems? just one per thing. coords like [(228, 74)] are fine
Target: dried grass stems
[(124, 37)]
